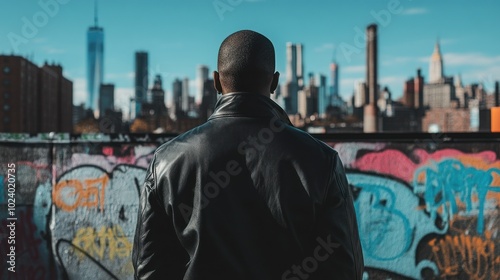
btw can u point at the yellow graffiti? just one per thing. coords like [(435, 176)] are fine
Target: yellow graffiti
[(70, 194), (470, 254), (107, 242)]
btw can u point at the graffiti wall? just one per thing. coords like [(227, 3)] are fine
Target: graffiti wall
[(427, 207)]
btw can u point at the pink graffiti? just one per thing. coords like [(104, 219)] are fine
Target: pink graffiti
[(399, 165), (114, 156)]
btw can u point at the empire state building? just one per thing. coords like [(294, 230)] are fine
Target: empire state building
[(95, 63)]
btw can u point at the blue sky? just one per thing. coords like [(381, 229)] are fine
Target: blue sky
[(179, 35)]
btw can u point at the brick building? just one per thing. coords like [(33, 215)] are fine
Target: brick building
[(34, 99)]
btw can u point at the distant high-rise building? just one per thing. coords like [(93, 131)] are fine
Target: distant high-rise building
[(360, 95), (419, 90), (158, 101), (294, 76), (497, 94), (177, 97), (55, 100), (95, 62), (185, 95), (308, 98), (79, 113), (334, 70), (323, 96), (291, 62), (34, 99), (300, 64), (440, 91), (440, 94), (436, 72), (460, 93), (106, 99), (202, 76), (141, 80), (158, 94), (370, 115), (19, 95), (413, 91), (302, 101), (209, 99)]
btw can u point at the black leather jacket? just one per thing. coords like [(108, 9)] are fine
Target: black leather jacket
[(246, 196)]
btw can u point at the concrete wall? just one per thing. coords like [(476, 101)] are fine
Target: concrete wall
[(427, 207)]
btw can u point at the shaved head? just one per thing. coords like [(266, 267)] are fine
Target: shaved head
[(246, 63)]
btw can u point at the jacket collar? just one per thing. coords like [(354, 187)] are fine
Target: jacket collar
[(244, 104)]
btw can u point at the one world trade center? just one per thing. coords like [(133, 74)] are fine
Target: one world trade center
[(95, 63)]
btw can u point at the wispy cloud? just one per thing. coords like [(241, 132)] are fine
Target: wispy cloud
[(79, 90), (415, 11), (325, 47), (354, 69), (52, 50), (127, 75), (122, 99), (447, 41), (392, 80), (40, 40), (487, 75), (348, 84), (398, 60), (471, 59)]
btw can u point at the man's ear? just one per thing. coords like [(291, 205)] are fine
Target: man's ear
[(274, 83), (217, 84)]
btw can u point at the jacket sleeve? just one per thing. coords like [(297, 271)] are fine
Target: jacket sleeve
[(157, 252), (338, 228)]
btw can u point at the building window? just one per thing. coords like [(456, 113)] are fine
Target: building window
[(6, 82), (6, 120), (6, 69), (6, 95), (6, 107)]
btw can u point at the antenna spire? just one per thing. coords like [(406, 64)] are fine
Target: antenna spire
[(334, 53), (95, 13)]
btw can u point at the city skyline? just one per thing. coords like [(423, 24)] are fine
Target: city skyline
[(328, 31)]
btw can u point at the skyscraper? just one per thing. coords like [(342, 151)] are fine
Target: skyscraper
[(360, 95), (141, 80), (334, 71), (291, 62), (95, 62), (185, 95), (202, 76), (177, 97), (294, 76), (334, 92), (497, 94), (106, 99), (209, 99), (158, 94), (300, 64), (436, 65), (440, 91), (323, 97), (158, 98)]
